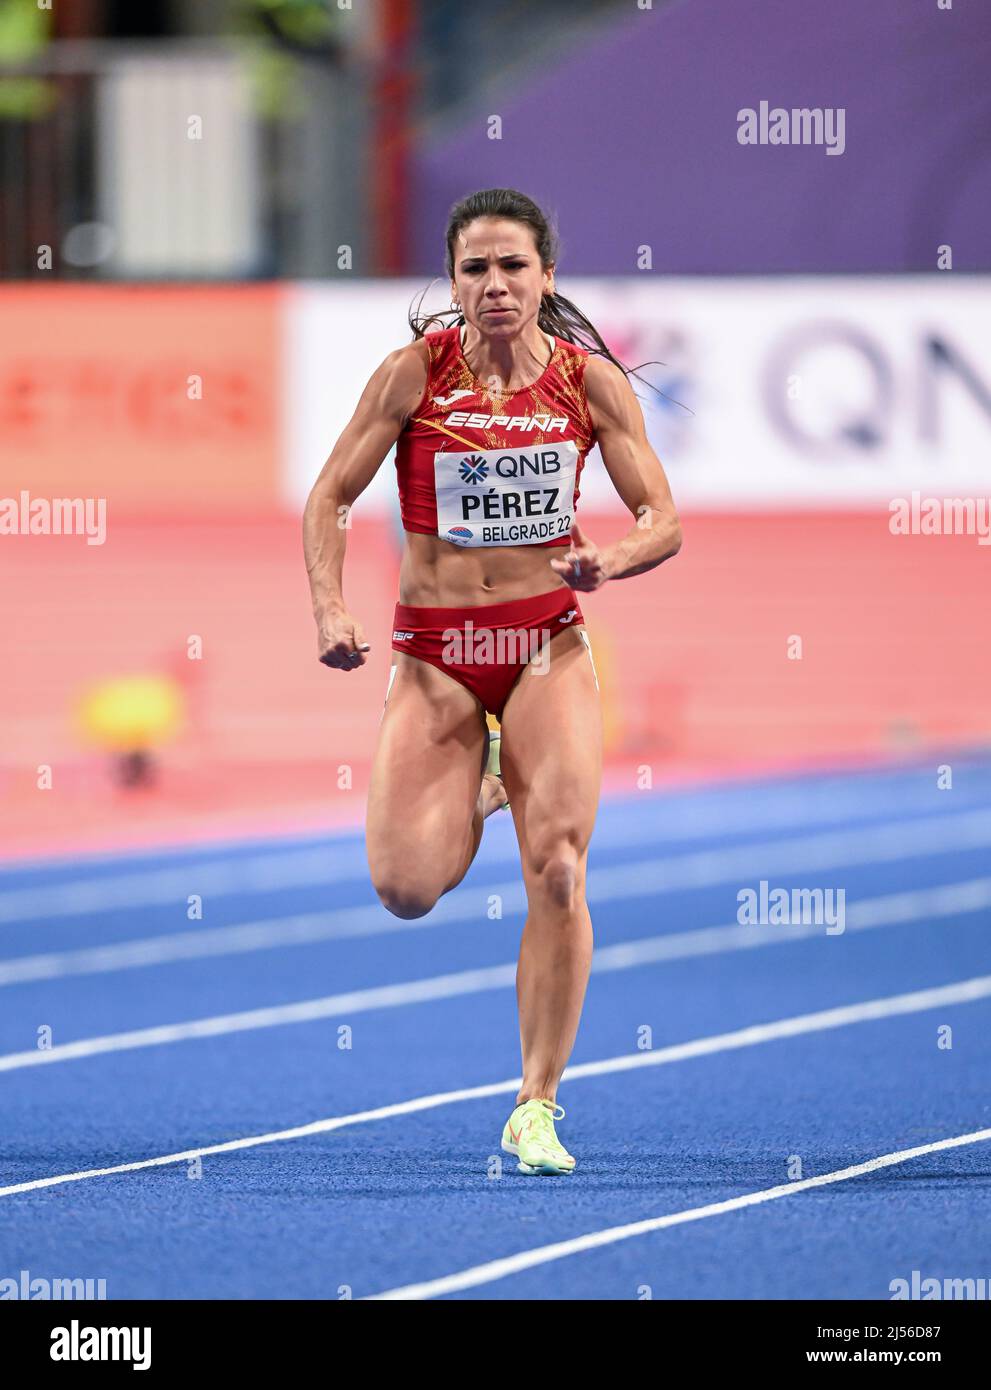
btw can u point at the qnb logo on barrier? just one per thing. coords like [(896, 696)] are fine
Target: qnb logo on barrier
[(835, 389), (801, 125)]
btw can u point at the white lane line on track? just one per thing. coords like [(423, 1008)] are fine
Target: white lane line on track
[(158, 887), (527, 1259), (335, 863), (638, 879), (949, 900), (310, 928), (305, 1011), (941, 996)]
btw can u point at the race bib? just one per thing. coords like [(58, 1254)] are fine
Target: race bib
[(506, 496)]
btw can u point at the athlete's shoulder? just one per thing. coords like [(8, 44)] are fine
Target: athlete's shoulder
[(438, 337), (607, 388), (601, 373), (432, 350), (400, 380), (438, 343), (573, 350), (421, 353), (406, 376)]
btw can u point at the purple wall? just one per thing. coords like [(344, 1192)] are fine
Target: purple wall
[(631, 138)]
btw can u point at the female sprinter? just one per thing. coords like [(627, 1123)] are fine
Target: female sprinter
[(493, 417)]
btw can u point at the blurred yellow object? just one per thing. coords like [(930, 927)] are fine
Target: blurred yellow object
[(24, 33), (132, 713)]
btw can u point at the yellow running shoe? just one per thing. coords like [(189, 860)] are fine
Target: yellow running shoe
[(529, 1134)]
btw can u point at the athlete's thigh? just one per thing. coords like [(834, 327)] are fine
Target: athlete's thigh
[(552, 750), (426, 773)]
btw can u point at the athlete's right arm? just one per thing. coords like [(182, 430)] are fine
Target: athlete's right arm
[(392, 394)]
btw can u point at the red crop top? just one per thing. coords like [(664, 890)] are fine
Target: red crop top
[(480, 469)]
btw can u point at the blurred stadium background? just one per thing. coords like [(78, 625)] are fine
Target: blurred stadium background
[(215, 216)]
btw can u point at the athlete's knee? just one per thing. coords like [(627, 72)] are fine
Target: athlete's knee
[(557, 873), (404, 899)]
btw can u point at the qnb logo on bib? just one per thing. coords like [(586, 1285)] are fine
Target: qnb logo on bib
[(506, 496), (473, 469)]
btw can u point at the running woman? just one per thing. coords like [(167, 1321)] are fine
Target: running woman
[(492, 418)]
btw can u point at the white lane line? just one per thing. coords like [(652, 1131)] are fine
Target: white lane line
[(544, 1254), (886, 910), (383, 1112), (950, 900), (212, 878), (305, 1011), (310, 928), (337, 863), (941, 996), (266, 934)]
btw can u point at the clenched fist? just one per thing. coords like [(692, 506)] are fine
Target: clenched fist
[(340, 641), (583, 564)]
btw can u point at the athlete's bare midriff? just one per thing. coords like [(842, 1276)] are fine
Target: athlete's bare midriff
[(436, 574)]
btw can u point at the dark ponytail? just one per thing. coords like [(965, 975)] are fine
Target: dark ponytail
[(557, 315)]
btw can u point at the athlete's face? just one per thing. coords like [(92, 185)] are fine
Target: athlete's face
[(498, 277)]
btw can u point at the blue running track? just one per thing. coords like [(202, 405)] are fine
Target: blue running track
[(132, 1031)]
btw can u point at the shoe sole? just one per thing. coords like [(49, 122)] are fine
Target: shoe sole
[(546, 1170)]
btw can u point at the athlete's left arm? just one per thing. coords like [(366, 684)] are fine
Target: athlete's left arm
[(638, 477)]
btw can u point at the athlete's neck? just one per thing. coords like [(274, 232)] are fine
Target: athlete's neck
[(513, 362)]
